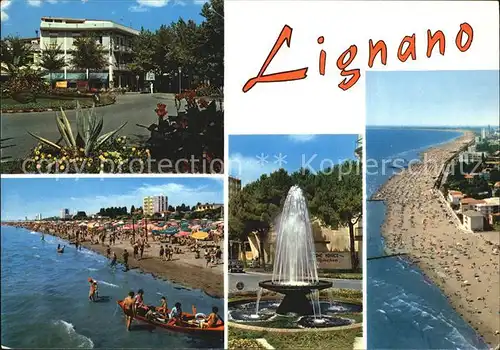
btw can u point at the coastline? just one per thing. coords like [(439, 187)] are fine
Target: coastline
[(175, 271), (417, 222)]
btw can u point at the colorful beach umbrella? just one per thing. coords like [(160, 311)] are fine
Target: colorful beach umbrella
[(200, 235)]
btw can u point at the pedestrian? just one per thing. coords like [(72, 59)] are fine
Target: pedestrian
[(136, 250), (108, 252), (125, 259), (141, 250), (162, 251)]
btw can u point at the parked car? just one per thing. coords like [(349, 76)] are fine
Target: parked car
[(235, 265)]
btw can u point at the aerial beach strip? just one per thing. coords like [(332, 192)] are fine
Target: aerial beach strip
[(418, 221), (179, 271)]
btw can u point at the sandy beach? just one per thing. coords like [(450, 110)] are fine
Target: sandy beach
[(184, 269), (464, 265)]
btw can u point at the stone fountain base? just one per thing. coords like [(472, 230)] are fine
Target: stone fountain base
[(295, 300)]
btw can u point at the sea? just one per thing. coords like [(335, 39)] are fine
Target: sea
[(405, 309), (44, 299)]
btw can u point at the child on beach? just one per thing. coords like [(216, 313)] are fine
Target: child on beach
[(162, 251)]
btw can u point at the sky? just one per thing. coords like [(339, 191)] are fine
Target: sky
[(47, 196), (250, 156), (22, 17), (432, 98)]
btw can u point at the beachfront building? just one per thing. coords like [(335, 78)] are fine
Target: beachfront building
[(454, 197), (471, 157), (154, 204), (234, 186), (489, 206), (473, 220), (208, 206), (38, 217), (65, 214), (115, 39), (467, 204)]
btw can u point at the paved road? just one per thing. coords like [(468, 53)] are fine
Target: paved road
[(251, 281), (134, 108)]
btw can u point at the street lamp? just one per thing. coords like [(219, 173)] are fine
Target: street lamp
[(180, 80)]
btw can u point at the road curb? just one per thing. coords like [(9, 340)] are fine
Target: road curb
[(11, 111)]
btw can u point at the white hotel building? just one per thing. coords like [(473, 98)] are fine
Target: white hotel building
[(115, 39)]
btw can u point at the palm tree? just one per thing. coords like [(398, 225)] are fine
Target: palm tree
[(14, 54), (88, 54), (51, 60)]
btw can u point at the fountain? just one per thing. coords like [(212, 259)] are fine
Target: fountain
[(295, 272)]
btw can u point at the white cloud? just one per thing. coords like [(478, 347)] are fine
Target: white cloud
[(4, 5), (179, 3), (153, 3), (38, 3), (302, 138), (200, 2), (249, 169), (135, 8)]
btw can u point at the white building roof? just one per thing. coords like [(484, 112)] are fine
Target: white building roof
[(72, 24)]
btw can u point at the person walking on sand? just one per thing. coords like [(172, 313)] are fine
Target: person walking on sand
[(125, 259), (141, 250), (136, 250), (162, 251)]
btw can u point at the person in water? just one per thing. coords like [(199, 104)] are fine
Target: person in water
[(212, 319), (43, 236), (125, 259), (176, 313), (113, 260), (93, 289), (128, 309), (59, 249)]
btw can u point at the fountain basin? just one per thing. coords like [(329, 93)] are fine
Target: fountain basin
[(295, 300), (323, 322)]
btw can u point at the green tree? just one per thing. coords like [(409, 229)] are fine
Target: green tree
[(51, 60), (211, 49), (88, 54), (338, 200), (14, 54), (132, 210), (144, 48)]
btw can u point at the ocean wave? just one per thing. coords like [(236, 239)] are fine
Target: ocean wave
[(403, 304), (37, 256), (83, 341), (91, 269), (109, 284)]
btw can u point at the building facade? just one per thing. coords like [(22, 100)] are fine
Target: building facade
[(208, 206), (473, 220), (234, 186), (115, 40), (64, 214), (154, 204)]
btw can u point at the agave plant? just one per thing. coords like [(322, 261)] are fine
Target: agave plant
[(89, 128)]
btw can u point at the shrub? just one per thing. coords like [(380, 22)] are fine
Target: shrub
[(25, 84), (208, 90), (193, 140)]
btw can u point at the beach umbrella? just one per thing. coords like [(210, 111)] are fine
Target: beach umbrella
[(200, 235), (182, 234)]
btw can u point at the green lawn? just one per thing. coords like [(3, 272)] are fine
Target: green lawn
[(341, 339)]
